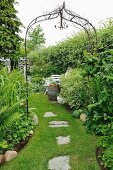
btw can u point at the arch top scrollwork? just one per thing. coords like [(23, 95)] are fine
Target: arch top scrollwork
[(67, 15)]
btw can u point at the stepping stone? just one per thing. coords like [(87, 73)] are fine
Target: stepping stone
[(61, 140), (58, 124), (59, 163), (49, 114)]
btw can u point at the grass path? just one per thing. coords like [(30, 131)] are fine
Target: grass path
[(42, 146)]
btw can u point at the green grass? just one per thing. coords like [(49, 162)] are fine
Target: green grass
[(42, 146)]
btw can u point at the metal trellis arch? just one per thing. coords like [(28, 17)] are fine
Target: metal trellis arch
[(65, 15)]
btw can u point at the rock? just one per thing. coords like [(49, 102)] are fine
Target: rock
[(61, 100), (49, 114), (59, 163), (58, 124), (61, 140), (83, 117), (35, 119), (2, 159), (10, 155)]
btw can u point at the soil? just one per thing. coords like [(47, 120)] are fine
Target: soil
[(99, 160), (20, 145), (68, 108)]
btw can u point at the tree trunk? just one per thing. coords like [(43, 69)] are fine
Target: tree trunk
[(13, 63)]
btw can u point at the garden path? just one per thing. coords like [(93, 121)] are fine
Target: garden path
[(61, 162)]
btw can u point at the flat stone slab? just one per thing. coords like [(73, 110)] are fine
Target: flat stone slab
[(49, 114), (61, 140), (58, 124), (59, 163)]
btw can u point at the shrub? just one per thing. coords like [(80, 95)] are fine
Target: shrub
[(100, 108), (15, 132), (38, 84), (108, 157), (76, 113), (73, 88)]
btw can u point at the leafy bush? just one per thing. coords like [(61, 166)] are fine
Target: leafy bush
[(100, 110), (73, 88), (3, 145), (76, 113), (99, 69), (14, 133), (108, 157), (37, 84)]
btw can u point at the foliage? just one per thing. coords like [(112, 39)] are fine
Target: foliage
[(16, 132), (99, 82), (108, 157), (3, 145), (14, 124), (38, 70), (96, 87), (37, 84), (77, 113), (73, 88), (38, 64), (12, 94), (70, 53), (9, 31), (36, 38), (65, 54), (99, 68)]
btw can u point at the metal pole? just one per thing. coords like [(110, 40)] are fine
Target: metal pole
[(26, 71)]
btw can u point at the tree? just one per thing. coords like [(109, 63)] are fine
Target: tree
[(36, 38), (9, 29)]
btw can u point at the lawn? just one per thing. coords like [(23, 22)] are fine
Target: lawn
[(42, 146)]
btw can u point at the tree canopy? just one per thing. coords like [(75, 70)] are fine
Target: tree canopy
[(9, 30), (36, 38)]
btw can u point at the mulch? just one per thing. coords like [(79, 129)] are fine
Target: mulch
[(99, 159)]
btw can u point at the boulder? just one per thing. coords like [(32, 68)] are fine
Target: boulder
[(83, 117), (61, 100), (2, 159), (35, 119), (10, 155)]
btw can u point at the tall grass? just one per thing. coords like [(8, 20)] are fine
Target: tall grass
[(12, 89)]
